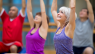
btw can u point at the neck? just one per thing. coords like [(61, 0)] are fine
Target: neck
[(83, 19), (37, 26), (62, 25), (11, 18)]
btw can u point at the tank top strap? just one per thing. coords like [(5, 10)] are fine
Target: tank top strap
[(31, 30), (57, 29), (38, 30)]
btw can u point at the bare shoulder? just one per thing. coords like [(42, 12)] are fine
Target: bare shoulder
[(43, 32), (69, 30)]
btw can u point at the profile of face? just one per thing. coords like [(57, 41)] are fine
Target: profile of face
[(61, 17), (83, 13), (38, 19), (13, 12)]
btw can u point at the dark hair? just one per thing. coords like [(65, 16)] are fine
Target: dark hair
[(87, 10), (39, 13)]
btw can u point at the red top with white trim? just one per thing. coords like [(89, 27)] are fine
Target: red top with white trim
[(12, 30)]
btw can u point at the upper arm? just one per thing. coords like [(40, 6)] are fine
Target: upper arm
[(90, 10), (44, 16), (71, 25), (91, 23), (91, 17), (30, 18), (72, 18), (54, 14), (29, 13), (23, 11), (3, 15), (1, 5), (23, 6), (44, 20), (1, 9)]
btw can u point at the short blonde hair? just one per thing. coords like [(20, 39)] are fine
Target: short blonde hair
[(66, 11)]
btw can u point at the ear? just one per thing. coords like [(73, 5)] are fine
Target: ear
[(88, 16)]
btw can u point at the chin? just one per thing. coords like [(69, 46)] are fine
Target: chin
[(36, 22), (81, 17), (58, 19), (11, 16)]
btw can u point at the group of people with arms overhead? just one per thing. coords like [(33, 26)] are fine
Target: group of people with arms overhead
[(73, 36)]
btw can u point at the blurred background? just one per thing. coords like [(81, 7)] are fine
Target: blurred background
[(49, 45)]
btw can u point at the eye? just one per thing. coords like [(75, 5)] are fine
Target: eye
[(61, 12)]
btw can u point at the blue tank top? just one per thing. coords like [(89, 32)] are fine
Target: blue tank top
[(63, 44)]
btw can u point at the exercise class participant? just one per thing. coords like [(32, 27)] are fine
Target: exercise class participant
[(12, 29), (65, 21), (83, 35), (35, 39)]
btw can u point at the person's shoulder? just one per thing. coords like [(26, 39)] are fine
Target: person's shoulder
[(77, 19), (90, 21)]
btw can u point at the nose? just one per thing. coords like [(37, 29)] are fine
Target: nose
[(58, 13), (81, 12), (10, 11)]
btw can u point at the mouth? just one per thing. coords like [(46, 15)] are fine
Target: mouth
[(58, 17), (81, 14)]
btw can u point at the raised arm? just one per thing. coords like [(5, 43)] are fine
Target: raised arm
[(23, 6), (90, 10), (72, 13), (71, 25), (1, 6), (54, 11), (29, 13), (43, 12)]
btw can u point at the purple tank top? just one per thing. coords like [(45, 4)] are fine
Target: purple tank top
[(34, 43), (63, 44)]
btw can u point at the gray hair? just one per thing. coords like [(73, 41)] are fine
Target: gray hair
[(66, 11)]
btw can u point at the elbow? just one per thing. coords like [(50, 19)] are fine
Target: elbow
[(52, 10), (92, 21), (43, 12), (24, 6), (91, 13), (1, 9), (72, 7), (29, 10)]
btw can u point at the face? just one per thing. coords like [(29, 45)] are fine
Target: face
[(13, 12), (61, 17), (37, 19), (83, 13)]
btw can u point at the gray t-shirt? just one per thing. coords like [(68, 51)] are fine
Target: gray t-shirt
[(83, 34)]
